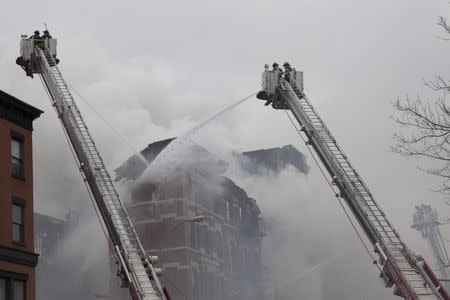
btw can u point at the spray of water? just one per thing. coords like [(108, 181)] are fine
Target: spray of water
[(169, 158), (314, 269), (215, 116)]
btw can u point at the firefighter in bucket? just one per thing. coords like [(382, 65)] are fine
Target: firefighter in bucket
[(28, 59)]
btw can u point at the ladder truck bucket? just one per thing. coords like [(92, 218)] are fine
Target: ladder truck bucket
[(271, 86), (28, 59)]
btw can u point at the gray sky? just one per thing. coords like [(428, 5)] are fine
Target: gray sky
[(156, 68)]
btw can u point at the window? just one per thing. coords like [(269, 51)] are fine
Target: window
[(2, 289), (18, 290), (195, 279), (12, 286), (16, 157), (207, 241), (193, 236), (18, 221)]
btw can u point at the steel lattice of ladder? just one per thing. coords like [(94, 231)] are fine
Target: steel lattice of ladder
[(137, 269), (400, 267)]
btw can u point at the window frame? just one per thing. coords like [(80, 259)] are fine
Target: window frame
[(6, 288), (194, 236), (228, 210), (19, 202), (10, 278), (15, 136), (12, 288)]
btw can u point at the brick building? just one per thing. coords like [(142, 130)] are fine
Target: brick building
[(17, 257), (219, 258)]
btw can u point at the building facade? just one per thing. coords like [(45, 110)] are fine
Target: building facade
[(220, 257), (17, 257)]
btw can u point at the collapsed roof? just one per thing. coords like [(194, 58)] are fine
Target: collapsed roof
[(254, 162)]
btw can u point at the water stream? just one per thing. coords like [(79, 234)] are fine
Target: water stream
[(171, 156)]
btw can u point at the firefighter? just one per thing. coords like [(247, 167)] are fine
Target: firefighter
[(276, 68), (37, 35), (279, 73), (38, 39), (287, 71), (46, 35)]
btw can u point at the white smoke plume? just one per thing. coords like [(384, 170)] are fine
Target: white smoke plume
[(155, 77)]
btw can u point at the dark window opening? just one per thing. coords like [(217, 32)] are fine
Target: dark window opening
[(17, 222), (207, 241), (193, 236), (18, 290), (16, 157), (12, 289), (2, 289), (228, 213), (196, 284)]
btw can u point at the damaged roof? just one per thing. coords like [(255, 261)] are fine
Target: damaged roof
[(254, 162)]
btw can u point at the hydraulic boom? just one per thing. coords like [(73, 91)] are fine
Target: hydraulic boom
[(136, 269), (412, 277)]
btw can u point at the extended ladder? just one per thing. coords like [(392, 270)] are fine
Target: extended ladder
[(399, 266), (137, 269)]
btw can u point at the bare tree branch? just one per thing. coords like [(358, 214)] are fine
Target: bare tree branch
[(438, 84), (443, 23), (426, 127), (427, 136)]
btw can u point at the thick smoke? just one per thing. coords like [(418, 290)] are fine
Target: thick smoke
[(77, 265), (303, 230), (308, 238), (156, 80), (308, 243)]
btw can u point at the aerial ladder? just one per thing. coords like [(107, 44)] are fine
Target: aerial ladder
[(400, 267), (426, 221), (137, 269)]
